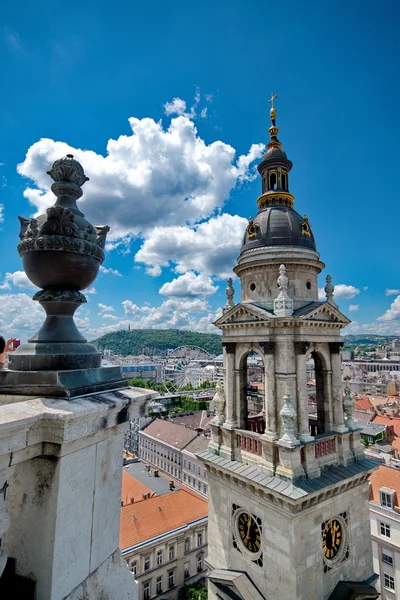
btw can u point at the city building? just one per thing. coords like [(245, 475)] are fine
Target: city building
[(163, 538), (288, 503), (171, 448), (384, 509)]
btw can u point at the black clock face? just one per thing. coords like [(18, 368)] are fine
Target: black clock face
[(249, 532), (332, 538)]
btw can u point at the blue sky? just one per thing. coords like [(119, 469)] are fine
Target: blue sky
[(174, 189)]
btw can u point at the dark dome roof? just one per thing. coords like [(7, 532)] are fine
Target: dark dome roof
[(278, 226), (274, 152)]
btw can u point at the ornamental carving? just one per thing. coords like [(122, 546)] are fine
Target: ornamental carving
[(267, 347), (60, 221), (101, 234), (335, 347), (61, 243), (59, 296)]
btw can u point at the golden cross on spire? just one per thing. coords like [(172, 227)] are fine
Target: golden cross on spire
[(273, 96)]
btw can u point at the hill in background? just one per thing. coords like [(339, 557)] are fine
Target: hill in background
[(156, 341)]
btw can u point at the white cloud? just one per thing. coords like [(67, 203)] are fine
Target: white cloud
[(391, 292), (111, 317), (91, 290), (20, 316), (354, 307), (209, 248), (17, 279), (393, 313), (341, 291), (1, 213), (176, 107), (104, 308), (151, 178), (189, 285), (110, 271), (382, 328), (130, 308)]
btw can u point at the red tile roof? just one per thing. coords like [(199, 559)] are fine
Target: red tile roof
[(384, 477), (389, 421), (364, 404), (132, 488), (174, 435), (145, 520)]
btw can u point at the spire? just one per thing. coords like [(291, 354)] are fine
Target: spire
[(329, 289), (273, 130), (230, 292)]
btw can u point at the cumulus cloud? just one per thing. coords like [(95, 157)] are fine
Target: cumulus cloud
[(189, 285), (130, 308), (381, 328), (209, 248), (391, 292), (153, 177), (20, 317), (110, 271), (17, 279), (354, 307), (1, 213), (176, 107), (104, 308), (393, 313), (111, 317), (341, 291)]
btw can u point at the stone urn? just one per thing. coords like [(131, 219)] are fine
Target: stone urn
[(61, 253)]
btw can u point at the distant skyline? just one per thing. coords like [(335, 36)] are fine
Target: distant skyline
[(166, 107)]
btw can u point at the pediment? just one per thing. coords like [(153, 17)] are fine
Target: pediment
[(243, 313), (326, 312)]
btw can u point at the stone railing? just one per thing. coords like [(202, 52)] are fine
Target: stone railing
[(325, 447), (249, 444)]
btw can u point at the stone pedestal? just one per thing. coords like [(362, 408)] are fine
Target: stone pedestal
[(62, 460)]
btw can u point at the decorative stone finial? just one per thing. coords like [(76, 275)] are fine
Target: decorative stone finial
[(230, 292), (348, 407), (273, 130), (283, 305), (329, 290), (289, 418), (219, 404)]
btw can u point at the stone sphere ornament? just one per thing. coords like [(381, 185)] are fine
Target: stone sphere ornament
[(61, 253)]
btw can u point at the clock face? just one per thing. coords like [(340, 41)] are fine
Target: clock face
[(332, 538), (249, 532)]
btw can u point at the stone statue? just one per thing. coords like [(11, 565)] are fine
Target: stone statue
[(219, 404), (348, 407), (289, 418), (329, 289), (230, 292), (283, 305)]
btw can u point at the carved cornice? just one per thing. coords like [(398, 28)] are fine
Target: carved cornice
[(59, 296), (267, 347), (61, 243), (335, 347), (302, 347), (230, 347)]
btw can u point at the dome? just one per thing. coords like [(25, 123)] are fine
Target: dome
[(274, 152), (278, 226)]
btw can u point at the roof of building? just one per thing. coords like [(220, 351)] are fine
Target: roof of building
[(158, 485), (389, 421), (384, 477), (195, 420), (396, 443), (364, 404), (171, 433), (372, 428), (198, 444), (133, 488), (362, 415), (146, 520)]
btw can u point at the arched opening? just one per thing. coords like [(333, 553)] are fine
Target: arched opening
[(272, 181), (252, 391), (319, 409), (283, 181)]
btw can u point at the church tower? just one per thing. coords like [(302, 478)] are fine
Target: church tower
[(288, 480)]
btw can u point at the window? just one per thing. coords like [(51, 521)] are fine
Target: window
[(171, 552), (189, 466), (146, 590), (194, 482), (198, 471), (186, 575), (184, 477), (204, 489), (187, 544), (171, 579), (386, 499), (133, 566), (385, 530), (387, 556), (272, 181), (159, 585), (388, 582), (146, 563), (160, 558), (205, 474), (184, 463), (189, 480), (200, 539), (199, 563)]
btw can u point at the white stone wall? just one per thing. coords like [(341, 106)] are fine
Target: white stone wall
[(194, 475), (382, 543), (160, 455), (293, 559), (188, 548)]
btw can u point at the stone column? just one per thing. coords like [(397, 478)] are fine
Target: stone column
[(269, 409), (230, 384), (301, 349), (337, 388)]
